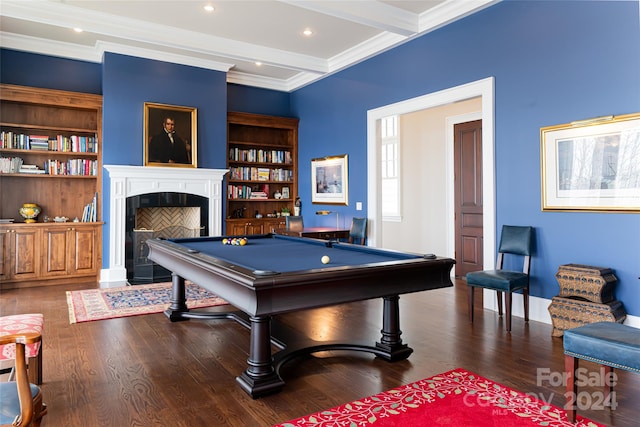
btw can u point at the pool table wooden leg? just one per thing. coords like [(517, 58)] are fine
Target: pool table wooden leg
[(260, 377), (178, 299), (391, 343)]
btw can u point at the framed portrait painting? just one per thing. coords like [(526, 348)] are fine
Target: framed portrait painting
[(592, 165), (170, 135), (330, 180)]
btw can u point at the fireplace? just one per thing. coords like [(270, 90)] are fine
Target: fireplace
[(166, 215), (127, 182)]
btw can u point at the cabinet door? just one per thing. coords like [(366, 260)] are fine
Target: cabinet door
[(84, 251), (56, 251), (236, 228), (254, 227), (5, 250), (273, 225), (25, 253)]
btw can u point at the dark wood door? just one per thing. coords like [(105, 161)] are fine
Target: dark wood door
[(468, 196)]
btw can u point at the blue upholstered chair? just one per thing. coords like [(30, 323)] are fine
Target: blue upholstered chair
[(20, 400), (294, 223), (358, 231), (516, 241)]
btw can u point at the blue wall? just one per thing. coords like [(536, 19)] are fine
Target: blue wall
[(553, 62), (28, 69), (257, 101)]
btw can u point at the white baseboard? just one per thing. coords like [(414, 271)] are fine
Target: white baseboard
[(538, 308), (111, 277)]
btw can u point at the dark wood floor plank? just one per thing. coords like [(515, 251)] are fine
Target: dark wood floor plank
[(145, 370)]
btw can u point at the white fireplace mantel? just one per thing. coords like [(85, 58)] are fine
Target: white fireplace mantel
[(127, 181)]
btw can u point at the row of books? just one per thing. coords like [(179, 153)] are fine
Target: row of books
[(260, 156), (260, 174), (245, 192), (85, 167), (90, 211), (73, 143)]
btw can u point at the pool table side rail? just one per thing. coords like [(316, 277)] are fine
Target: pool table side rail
[(290, 291)]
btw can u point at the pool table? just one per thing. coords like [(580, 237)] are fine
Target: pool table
[(274, 274)]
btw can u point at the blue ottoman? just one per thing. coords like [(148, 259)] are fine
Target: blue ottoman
[(609, 344)]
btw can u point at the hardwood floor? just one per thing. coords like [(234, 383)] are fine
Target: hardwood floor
[(147, 371)]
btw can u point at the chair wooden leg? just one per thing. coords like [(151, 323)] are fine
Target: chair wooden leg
[(525, 296), (508, 298), (607, 386), (470, 301), (35, 368), (499, 294), (570, 368)]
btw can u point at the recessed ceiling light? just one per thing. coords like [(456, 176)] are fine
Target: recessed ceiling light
[(307, 32), (258, 63), (209, 8), (78, 30)]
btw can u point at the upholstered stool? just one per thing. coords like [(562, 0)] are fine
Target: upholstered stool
[(609, 344), (23, 323)]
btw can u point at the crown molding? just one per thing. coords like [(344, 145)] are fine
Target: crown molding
[(49, 47), (450, 11)]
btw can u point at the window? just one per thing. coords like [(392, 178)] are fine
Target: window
[(390, 168)]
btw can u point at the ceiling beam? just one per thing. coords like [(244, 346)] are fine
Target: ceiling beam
[(370, 13)]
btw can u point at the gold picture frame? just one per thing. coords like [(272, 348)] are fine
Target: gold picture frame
[(330, 180), (592, 165), (179, 150)]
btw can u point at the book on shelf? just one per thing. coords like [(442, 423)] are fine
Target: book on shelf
[(258, 195), (90, 211), (10, 164), (263, 174), (30, 169)]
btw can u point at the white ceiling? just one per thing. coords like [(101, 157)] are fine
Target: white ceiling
[(232, 37)]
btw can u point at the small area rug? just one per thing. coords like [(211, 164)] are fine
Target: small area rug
[(109, 303), (455, 398)]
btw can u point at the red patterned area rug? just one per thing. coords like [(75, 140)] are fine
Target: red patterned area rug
[(455, 398), (110, 303)]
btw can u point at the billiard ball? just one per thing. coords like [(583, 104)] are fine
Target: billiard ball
[(325, 259)]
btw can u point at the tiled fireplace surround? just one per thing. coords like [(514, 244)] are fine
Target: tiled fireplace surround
[(127, 181)]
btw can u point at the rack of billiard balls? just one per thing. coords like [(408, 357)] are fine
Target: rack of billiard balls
[(235, 241)]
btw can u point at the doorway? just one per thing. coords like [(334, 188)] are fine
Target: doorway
[(483, 89)]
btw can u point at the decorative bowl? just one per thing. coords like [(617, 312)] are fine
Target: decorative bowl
[(30, 212), (60, 219)]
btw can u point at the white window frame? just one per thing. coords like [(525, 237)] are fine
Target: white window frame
[(386, 141)]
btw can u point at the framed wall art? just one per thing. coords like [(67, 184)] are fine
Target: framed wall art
[(170, 135), (592, 165), (330, 180)]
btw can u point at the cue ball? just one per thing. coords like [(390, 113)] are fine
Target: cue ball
[(325, 259)]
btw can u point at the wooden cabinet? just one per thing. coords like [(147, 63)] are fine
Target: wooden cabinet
[(49, 253), (70, 250), (247, 226), (59, 133), (262, 158)]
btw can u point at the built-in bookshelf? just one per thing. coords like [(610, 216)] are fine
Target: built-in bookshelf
[(263, 172), (49, 150), (50, 155)]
